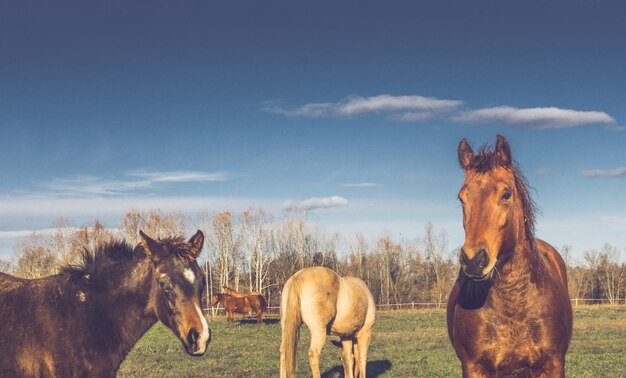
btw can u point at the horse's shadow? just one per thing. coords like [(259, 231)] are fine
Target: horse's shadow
[(253, 321), (374, 369)]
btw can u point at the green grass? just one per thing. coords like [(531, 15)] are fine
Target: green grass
[(405, 344)]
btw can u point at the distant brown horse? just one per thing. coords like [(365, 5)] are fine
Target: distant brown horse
[(228, 290), (327, 304), (83, 321), (241, 305), (509, 313)]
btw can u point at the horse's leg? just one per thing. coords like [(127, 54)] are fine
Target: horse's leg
[(259, 316), (357, 364), (347, 357), (229, 317), (362, 343), (318, 338)]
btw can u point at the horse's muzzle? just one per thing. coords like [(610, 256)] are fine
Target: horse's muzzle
[(195, 346), (474, 268)]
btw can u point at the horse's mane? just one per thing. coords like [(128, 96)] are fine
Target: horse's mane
[(486, 159), (104, 255), (117, 251)]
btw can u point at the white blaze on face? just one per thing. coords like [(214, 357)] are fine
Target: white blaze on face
[(204, 334), (188, 273)]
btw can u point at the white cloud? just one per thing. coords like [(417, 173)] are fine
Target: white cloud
[(602, 173), (419, 116), (181, 176), (316, 203), (355, 105), (136, 180), (52, 207), (20, 234), (362, 185), (535, 118), (420, 109)]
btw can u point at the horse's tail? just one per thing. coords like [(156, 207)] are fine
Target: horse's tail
[(291, 319)]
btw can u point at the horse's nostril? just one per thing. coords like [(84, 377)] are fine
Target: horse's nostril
[(193, 336), (482, 258)]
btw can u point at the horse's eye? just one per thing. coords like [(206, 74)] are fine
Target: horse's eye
[(507, 195)]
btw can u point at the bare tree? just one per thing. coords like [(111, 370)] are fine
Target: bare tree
[(130, 225), (358, 248), (435, 248), (5, 266), (610, 273), (224, 242), (33, 259)]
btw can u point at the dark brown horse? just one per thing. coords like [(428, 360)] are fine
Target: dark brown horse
[(241, 305), (83, 321), (509, 313)]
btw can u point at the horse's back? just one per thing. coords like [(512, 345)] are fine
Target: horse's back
[(9, 283)]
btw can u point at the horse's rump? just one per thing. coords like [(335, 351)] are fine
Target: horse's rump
[(327, 303)]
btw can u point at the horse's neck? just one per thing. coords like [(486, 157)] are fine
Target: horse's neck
[(126, 308), (515, 277)]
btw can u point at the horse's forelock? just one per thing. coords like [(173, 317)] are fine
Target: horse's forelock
[(178, 246)]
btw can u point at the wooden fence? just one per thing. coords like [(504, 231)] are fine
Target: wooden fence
[(275, 310)]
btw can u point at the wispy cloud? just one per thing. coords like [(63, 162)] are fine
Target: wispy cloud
[(54, 207), (542, 171), (362, 185), (534, 118), (421, 109), (355, 105), (131, 182), (181, 176), (18, 234), (316, 203), (604, 173)]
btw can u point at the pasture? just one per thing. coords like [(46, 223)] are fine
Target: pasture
[(405, 344)]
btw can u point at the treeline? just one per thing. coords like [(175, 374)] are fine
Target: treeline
[(253, 251)]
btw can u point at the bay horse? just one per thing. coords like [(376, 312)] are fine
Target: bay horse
[(327, 304), (509, 312), (240, 305), (83, 321), (228, 290)]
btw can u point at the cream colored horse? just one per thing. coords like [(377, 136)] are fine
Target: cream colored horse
[(326, 303)]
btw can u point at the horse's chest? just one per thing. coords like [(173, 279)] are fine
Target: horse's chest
[(503, 342)]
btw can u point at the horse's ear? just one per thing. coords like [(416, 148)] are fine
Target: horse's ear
[(466, 154), (503, 151), (151, 247), (197, 241)]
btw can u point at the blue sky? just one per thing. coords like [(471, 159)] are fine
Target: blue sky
[(351, 109)]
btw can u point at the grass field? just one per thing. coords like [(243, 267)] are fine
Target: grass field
[(405, 344)]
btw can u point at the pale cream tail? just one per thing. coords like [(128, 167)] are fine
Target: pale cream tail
[(291, 320)]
